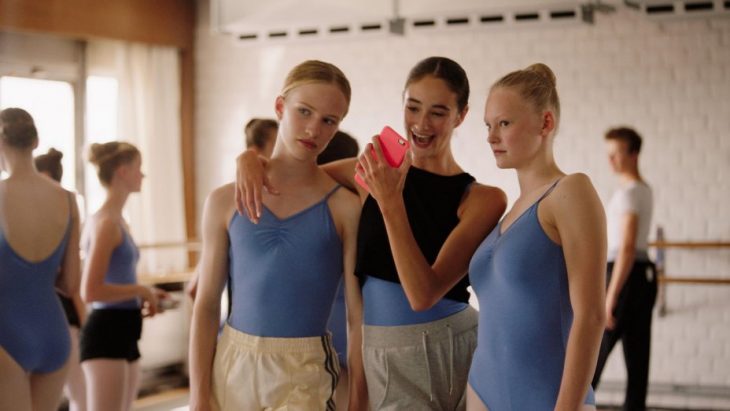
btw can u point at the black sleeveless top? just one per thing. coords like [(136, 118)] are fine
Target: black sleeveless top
[(431, 202)]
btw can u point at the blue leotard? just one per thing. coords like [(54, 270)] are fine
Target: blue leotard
[(385, 304), (33, 328), (122, 270), (284, 272), (525, 315)]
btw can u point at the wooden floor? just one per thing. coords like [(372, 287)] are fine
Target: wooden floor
[(177, 400), (171, 400)]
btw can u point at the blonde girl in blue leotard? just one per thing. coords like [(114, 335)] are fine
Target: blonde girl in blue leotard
[(539, 275), (275, 351), (109, 351)]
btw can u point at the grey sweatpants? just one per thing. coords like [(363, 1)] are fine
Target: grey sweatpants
[(421, 366)]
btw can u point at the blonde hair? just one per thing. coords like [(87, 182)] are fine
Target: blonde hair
[(315, 71), (536, 84), (108, 157)]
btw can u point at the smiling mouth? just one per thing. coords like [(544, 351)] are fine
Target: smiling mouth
[(421, 140)]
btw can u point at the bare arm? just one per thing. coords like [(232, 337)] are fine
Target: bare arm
[(69, 281), (191, 289), (105, 236), (206, 311), (622, 265), (348, 214), (251, 181), (426, 284), (70, 277), (575, 211), (80, 308), (343, 171)]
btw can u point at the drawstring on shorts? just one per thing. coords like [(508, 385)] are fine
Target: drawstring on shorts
[(428, 364), (424, 341), (451, 359)]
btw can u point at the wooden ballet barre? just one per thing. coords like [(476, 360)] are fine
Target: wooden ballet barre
[(189, 245), (689, 244), (162, 278), (662, 246), (196, 245), (694, 280)]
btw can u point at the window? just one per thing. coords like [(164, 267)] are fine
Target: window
[(51, 103), (101, 126)]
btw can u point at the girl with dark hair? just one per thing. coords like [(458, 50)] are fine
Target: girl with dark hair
[(39, 237), (261, 135), (75, 387)]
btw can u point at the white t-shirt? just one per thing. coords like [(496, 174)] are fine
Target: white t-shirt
[(634, 198)]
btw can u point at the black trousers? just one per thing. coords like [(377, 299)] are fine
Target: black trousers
[(633, 315)]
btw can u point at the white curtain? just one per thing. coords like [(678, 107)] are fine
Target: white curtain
[(149, 117)]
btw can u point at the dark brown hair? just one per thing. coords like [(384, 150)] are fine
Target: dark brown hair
[(627, 134), (50, 163), (341, 146), (258, 132), (17, 128), (447, 70)]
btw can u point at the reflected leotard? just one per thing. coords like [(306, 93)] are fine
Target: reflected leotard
[(33, 328), (122, 270)]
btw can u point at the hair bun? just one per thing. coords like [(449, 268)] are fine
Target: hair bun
[(17, 128), (543, 71), (54, 154), (99, 152), (107, 157)]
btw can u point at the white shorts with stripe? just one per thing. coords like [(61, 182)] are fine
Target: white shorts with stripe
[(276, 374)]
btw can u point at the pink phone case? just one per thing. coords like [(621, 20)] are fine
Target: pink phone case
[(394, 149)]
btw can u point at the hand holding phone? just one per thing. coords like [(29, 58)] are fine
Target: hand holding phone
[(394, 149)]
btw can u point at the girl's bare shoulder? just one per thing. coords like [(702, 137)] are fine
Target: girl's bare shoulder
[(573, 186), (220, 203)]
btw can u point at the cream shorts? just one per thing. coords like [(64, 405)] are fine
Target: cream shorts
[(274, 374)]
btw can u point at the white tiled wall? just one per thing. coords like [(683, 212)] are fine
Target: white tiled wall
[(670, 80)]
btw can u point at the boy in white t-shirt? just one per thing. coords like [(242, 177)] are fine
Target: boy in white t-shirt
[(631, 279)]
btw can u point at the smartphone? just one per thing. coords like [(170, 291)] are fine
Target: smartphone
[(394, 149)]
